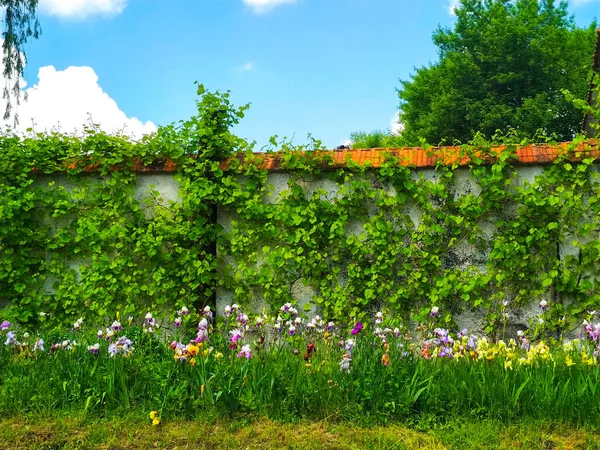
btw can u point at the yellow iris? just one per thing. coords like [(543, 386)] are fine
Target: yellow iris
[(569, 361), (193, 349)]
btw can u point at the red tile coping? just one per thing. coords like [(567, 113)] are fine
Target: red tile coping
[(419, 157), (408, 157)]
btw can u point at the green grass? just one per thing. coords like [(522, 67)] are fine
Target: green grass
[(240, 433), (277, 384)]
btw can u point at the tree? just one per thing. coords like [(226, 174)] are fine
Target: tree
[(503, 65), (20, 24)]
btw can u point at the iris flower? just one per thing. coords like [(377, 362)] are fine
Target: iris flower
[(245, 352)]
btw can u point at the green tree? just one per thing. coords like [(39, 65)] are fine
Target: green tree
[(503, 65), (20, 24)]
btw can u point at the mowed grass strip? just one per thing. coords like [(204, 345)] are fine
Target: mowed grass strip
[(263, 434), (128, 434)]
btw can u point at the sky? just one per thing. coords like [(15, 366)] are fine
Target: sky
[(324, 67)]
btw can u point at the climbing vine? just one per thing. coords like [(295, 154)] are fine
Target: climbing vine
[(76, 239)]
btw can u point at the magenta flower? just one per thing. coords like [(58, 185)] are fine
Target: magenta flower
[(245, 352), (5, 325), (236, 335), (357, 328)]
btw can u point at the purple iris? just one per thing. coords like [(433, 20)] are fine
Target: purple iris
[(446, 352), (5, 325), (11, 339), (442, 335), (592, 330), (472, 342), (357, 328), (202, 336)]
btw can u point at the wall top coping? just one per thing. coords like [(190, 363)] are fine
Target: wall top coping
[(534, 154)]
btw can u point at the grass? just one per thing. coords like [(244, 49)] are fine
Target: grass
[(128, 434), (279, 384), (490, 395)]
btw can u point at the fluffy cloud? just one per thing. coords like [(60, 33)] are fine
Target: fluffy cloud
[(261, 6), (78, 9), (247, 67), (396, 127), (453, 4), (66, 100)]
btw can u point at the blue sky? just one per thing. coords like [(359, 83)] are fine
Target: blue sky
[(326, 67)]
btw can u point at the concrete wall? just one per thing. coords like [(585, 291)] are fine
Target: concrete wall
[(165, 187), (464, 256)]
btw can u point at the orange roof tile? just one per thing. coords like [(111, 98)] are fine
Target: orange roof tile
[(408, 157)]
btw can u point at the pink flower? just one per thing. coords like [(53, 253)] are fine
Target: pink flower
[(236, 335), (245, 352)]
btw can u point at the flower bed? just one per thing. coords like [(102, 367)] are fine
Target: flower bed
[(288, 367)]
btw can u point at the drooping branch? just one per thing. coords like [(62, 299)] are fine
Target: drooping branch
[(20, 24)]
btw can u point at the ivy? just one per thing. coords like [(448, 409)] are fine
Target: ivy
[(79, 243)]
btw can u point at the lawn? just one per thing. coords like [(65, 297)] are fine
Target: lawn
[(129, 433)]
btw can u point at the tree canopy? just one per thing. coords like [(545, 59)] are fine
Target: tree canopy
[(503, 66), (20, 24)]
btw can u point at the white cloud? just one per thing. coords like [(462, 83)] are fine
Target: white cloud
[(453, 4), (66, 100), (247, 67), (79, 9), (261, 6), (396, 127)]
